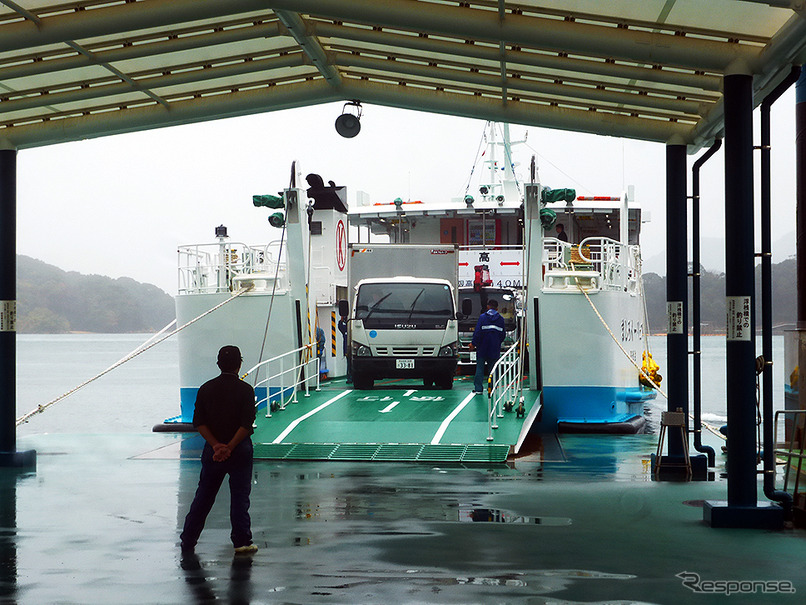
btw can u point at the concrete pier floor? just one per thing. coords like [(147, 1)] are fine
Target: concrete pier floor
[(579, 520)]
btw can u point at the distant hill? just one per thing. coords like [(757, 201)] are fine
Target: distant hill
[(712, 254), (712, 305), (52, 301)]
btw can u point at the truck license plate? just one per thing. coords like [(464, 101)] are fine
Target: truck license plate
[(472, 356), (404, 364)]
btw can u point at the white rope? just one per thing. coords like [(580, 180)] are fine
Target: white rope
[(141, 349), (632, 361)]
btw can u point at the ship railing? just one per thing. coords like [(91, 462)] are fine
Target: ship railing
[(504, 386), (284, 376), (213, 267), (617, 264), (793, 453)]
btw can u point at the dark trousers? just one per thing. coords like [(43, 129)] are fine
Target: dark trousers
[(239, 468), (483, 367)]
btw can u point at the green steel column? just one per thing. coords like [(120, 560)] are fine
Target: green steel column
[(8, 312)]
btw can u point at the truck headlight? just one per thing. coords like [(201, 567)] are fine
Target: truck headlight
[(361, 350), (448, 350)]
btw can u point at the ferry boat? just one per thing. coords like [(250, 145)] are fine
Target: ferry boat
[(575, 314), (584, 306)]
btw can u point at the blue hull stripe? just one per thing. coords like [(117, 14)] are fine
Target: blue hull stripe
[(592, 404), (187, 400)]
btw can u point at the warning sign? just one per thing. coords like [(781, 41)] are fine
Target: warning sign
[(8, 316), (674, 316), (738, 310)]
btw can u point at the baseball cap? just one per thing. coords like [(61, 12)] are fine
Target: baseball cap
[(229, 356)]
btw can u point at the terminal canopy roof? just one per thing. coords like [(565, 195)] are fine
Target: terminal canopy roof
[(644, 69)]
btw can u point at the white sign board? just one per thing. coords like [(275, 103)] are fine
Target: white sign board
[(8, 316), (505, 266), (738, 318), (674, 317)]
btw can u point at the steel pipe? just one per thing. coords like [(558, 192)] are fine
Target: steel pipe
[(696, 366), (766, 295)]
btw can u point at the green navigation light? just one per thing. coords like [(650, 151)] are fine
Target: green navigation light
[(277, 219)]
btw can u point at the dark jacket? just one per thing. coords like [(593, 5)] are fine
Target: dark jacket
[(489, 334), (225, 404)]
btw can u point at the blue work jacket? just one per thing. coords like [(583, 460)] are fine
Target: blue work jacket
[(489, 334)]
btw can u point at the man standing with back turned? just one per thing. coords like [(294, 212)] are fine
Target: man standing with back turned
[(224, 414), (487, 338)]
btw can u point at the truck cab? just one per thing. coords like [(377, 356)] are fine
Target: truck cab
[(477, 304), (404, 327)]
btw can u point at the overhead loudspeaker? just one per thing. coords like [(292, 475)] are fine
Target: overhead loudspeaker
[(348, 125)]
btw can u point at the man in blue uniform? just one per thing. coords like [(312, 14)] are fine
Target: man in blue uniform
[(487, 338), (224, 414)]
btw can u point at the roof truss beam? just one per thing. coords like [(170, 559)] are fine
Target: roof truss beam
[(195, 109), (309, 45), (118, 19), (548, 34), (183, 74), (552, 90), (516, 56), (129, 48), (527, 114)]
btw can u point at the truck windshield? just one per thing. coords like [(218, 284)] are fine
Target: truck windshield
[(506, 307), (410, 305)]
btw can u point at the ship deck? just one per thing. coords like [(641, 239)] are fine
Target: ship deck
[(578, 519), (397, 421)]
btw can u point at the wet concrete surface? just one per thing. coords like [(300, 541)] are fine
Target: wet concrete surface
[(577, 520)]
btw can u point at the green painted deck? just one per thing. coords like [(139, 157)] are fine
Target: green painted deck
[(396, 421)]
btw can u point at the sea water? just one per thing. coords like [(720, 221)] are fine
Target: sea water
[(145, 391), (131, 398)]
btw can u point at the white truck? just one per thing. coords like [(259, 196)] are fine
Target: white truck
[(403, 320)]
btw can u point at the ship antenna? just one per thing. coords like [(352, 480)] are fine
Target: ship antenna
[(476, 159)]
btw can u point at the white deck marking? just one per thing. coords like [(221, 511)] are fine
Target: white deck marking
[(409, 393), (389, 407), (293, 425), (445, 423)]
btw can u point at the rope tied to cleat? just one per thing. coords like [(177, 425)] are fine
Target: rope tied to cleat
[(149, 344)]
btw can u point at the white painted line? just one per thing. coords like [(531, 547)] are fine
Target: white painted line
[(409, 393), (445, 423), (294, 424), (389, 407)]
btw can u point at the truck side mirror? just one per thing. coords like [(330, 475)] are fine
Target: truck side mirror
[(344, 308), (467, 307)]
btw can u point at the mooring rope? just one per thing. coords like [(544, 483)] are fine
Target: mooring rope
[(714, 430), (141, 349)]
